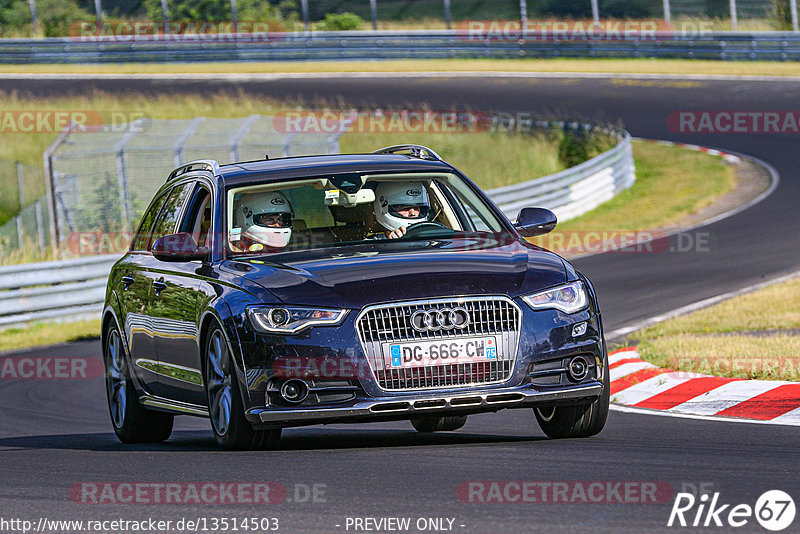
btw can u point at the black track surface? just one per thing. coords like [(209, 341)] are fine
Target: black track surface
[(54, 434)]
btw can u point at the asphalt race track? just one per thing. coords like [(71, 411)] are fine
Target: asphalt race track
[(55, 434)]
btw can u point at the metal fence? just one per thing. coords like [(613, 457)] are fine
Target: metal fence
[(103, 181), (356, 45), (74, 289), (31, 226)]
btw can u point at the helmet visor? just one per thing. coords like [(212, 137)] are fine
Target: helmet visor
[(409, 211), (273, 220)]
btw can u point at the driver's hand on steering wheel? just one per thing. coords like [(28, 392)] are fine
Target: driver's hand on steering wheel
[(396, 233)]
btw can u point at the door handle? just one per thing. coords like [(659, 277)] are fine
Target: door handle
[(159, 286), (127, 280)]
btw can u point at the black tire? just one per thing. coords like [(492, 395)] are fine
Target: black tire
[(433, 423), (580, 420), (131, 422), (231, 428)]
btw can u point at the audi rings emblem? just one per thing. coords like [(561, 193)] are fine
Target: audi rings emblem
[(439, 319)]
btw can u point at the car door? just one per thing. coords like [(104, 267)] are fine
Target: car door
[(174, 307), (132, 285)]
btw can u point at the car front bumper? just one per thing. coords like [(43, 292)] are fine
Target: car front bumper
[(430, 403)]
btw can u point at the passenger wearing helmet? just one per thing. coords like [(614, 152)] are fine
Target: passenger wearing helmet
[(263, 221), (399, 205)]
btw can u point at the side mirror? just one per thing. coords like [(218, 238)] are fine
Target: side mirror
[(535, 221), (177, 248)]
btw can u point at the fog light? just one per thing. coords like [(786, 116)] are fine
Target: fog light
[(279, 316), (294, 391), (579, 329), (578, 368)]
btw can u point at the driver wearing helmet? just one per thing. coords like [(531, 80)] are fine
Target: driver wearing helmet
[(399, 205), (263, 221)]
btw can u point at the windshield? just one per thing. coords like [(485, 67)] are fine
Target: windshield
[(354, 208)]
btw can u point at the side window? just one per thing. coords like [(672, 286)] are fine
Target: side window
[(167, 220), (141, 240), (197, 220)]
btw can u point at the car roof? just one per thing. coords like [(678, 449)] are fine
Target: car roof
[(309, 166)]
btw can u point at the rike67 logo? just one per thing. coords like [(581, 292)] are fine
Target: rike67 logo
[(774, 510)]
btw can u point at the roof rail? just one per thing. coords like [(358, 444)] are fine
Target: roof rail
[(416, 151), (197, 165)]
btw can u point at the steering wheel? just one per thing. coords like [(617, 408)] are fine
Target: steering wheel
[(425, 225)]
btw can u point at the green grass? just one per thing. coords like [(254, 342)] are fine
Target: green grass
[(41, 334), (672, 183), (472, 152), (714, 341), (476, 154), (629, 66)]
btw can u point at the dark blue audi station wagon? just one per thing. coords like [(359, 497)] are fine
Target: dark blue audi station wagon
[(345, 289)]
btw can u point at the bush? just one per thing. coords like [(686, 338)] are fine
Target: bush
[(783, 15), (53, 16), (576, 145), (217, 10), (335, 22)]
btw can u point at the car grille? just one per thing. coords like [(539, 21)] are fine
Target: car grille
[(391, 323)]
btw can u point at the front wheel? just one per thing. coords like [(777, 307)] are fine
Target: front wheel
[(580, 420), (131, 422), (433, 423), (231, 429)]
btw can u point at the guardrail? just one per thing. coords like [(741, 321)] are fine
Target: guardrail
[(53, 290), (426, 44), (74, 289), (576, 190)]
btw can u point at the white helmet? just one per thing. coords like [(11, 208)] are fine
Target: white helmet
[(265, 218), (391, 196)]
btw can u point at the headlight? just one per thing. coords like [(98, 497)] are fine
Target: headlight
[(292, 319), (568, 298)]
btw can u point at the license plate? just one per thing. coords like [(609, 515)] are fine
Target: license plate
[(440, 352)]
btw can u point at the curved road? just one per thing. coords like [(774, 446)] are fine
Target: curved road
[(55, 434)]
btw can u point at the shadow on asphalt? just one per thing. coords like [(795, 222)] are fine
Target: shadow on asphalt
[(305, 440)]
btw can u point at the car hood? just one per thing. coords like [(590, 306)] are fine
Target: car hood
[(382, 271)]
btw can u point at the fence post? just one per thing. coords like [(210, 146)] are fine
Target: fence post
[(734, 17), (165, 13), (304, 9), (667, 14), (595, 14), (39, 224), (185, 135), (98, 9), (373, 9), (122, 172), (50, 185), (32, 5), (21, 202), (793, 8), (523, 14), (237, 136), (447, 13)]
